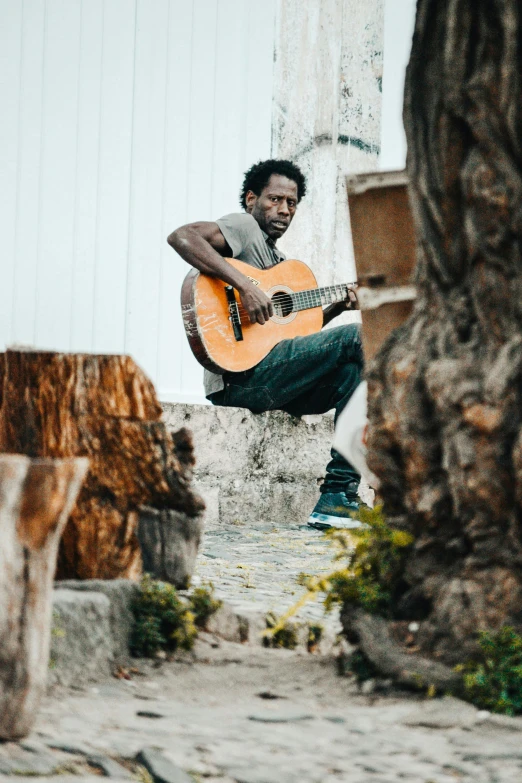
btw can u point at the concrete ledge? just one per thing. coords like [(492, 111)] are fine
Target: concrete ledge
[(81, 640), (263, 467), (119, 593), (92, 622)]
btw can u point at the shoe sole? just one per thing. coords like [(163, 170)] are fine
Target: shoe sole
[(326, 522)]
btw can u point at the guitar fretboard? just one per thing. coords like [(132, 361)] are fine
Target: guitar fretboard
[(318, 297)]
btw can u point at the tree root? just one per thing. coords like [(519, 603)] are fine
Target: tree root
[(410, 670)]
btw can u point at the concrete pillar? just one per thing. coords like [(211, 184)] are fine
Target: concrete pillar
[(326, 118)]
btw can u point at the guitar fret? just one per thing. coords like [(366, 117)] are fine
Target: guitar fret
[(316, 297)]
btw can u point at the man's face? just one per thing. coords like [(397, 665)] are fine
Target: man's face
[(275, 207)]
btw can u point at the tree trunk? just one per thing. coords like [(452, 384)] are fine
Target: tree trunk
[(105, 408), (445, 412), (169, 542), (36, 497)]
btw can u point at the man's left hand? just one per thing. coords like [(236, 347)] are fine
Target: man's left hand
[(351, 303), (334, 310)]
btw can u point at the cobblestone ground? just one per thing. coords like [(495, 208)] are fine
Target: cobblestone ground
[(257, 569), (239, 713)]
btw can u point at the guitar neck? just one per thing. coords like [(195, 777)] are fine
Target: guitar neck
[(319, 297)]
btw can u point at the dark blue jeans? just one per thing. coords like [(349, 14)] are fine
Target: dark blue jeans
[(301, 376)]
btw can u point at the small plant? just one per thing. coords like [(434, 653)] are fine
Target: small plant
[(494, 682), (203, 604), (279, 634), (361, 667), (315, 634), (371, 575), (162, 620), (374, 564)]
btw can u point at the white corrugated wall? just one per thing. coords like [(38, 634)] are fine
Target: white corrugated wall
[(121, 119)]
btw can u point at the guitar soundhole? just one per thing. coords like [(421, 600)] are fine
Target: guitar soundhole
[(282, 303)]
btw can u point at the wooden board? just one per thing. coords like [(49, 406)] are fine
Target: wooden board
[(384, 247)]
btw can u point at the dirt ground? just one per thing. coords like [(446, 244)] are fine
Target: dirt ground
[(235, 713)]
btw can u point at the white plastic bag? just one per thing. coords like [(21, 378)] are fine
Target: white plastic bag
[(350, 433)]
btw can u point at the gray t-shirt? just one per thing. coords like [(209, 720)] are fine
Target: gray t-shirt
[(251, 245)]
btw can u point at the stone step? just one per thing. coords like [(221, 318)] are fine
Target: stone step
[(92, 623)]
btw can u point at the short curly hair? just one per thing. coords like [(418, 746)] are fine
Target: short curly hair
[(257, 177)]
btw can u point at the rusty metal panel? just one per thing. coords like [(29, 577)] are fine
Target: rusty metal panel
[(384, 248)]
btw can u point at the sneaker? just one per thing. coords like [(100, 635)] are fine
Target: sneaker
[(335, 509)]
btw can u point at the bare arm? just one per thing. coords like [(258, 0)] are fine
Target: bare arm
[(203, 246)]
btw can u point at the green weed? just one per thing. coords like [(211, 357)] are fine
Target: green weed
[(361, 667), (372, 563), (494, 681), (374, 559), (203, 604), (162, 620), (279, 634), (315, 634), (56, 630), (370, 576)]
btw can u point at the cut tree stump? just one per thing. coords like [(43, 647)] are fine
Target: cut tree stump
[(105, 408), (36, 497), (169, 544)]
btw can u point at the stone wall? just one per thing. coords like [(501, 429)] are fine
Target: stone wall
[(249, 467), (327, 118)]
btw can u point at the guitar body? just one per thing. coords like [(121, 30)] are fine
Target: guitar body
[(206, 316)]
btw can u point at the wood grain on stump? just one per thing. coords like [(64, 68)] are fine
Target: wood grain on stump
[(36, 497), (105, 408)]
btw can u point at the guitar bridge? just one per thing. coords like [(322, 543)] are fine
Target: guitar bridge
[(233, 310)]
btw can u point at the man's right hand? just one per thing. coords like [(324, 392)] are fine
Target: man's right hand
[(256, 303), (203, 246)]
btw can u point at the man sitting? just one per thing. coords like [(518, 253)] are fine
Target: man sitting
[(300, 376)]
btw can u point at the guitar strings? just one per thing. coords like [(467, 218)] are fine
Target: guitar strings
[(302, 300)]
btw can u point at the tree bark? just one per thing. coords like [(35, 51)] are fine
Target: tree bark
[(445, 409), (36, 497), (169, 542), (105, 408)]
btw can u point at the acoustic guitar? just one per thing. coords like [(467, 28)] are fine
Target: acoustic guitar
[(219, 329)]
